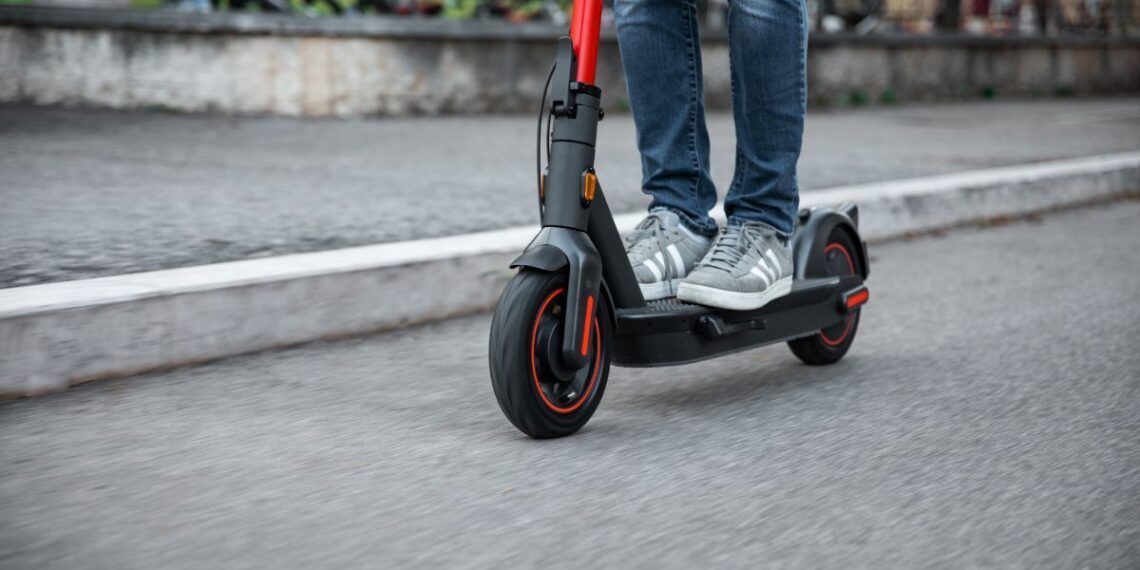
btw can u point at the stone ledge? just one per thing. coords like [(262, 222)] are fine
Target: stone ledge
[(441, 29)]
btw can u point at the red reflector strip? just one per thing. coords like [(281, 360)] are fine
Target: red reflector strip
[(858, 299), (589, 324)]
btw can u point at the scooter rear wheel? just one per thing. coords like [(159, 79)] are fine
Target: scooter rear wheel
[(830, 344), (535, 390)]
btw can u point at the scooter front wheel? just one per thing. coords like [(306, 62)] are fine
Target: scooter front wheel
[(537, 392)]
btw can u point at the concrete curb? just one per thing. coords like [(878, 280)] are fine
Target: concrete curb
[(56, 335)]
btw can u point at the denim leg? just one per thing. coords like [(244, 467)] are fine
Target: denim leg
[(768, 46), (660, 50)]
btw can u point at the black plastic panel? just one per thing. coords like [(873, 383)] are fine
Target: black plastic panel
[(671, 332)]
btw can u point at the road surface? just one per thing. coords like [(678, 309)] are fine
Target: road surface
[(986, 417), (94, 193)]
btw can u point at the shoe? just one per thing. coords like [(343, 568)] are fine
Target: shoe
[(748, 267), (662, 251)]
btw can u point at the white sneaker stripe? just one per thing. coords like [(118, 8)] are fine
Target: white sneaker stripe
[(756, 271), (775, 262), (762, 264), (676, 257), (653, 269)]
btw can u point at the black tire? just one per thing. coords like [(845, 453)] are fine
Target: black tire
[(528, 390), (830, 344)]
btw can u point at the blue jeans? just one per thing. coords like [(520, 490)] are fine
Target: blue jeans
[(660, 50)]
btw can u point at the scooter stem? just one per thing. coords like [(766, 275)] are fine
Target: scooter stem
[(571, 195), (585, 23)]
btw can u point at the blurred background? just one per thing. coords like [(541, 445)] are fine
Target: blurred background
[(982, 17), (203, 124), (248, 250)]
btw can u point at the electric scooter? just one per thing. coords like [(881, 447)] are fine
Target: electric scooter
[(574, 307)]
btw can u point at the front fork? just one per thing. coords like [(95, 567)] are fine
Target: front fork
[(578, 231)]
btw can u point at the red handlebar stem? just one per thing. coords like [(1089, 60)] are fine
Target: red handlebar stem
[(585, 23)]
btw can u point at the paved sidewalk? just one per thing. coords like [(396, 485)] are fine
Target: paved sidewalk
[(992, 427), (94, 193)]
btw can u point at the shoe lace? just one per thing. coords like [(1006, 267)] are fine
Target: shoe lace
[(651, 231), (731, 246)]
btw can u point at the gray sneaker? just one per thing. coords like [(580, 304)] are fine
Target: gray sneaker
[(662, 252), (748, 267)]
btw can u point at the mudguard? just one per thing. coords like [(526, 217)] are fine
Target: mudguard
[(541, 256), (555, 248), (814, 226)]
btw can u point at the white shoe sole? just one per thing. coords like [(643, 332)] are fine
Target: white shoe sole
[(660, 289), (733, 300)]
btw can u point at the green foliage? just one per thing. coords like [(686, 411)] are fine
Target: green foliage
[(318, 8), (888, 97), (515, 10), (460, 9), (161, 108), (857, 98), (989, 92)]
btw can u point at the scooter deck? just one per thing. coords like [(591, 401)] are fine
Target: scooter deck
[(669, 332)]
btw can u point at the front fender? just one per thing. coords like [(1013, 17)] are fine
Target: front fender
[(541, 256), (553, 249), (546, 257)]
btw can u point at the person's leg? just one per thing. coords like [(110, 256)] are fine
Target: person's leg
[(751, 263), (768, 47), (660, 50)]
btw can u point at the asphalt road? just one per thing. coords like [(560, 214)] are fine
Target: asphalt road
[(91, 193), (986, 417)]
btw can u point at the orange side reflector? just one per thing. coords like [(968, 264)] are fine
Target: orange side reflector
[(858, 299), (589, 186), (589, 324)]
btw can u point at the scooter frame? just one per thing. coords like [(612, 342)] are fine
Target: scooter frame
[(579, 236)]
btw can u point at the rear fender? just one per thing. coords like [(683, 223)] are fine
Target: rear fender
[(813, 228)]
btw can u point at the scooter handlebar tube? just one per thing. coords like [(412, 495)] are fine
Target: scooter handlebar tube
[(585, 23)]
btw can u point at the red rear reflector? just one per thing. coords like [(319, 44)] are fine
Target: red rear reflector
[(858, 299)]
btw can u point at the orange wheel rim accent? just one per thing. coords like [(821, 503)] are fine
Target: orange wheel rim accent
[(836, 246), (534, 367)]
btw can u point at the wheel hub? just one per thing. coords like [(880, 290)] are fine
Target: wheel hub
[(563, 387), (549, 350)]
